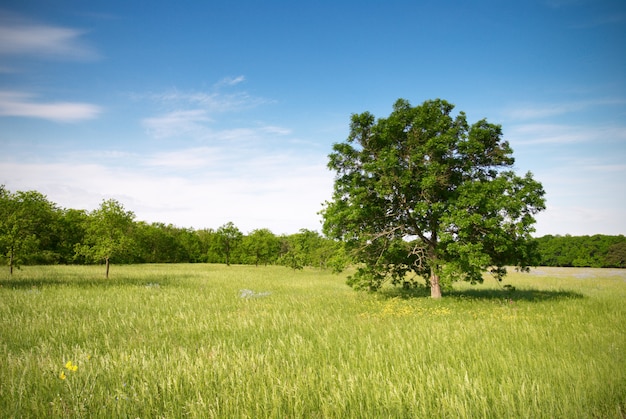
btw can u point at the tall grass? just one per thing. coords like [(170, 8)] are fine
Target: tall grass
[(211, 341)]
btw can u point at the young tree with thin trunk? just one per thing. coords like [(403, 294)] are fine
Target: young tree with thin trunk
[(228, 238), (108, 233), (423, 192)]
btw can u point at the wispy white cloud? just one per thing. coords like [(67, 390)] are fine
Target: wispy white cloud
[(21, 37), (195, 125), (528, 111), (230, 81), (527, 134), (178, 123), (212, 102), (195, 115), (24, 105), (276, 130)]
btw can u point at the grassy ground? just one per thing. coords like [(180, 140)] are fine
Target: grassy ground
[(211, 341)]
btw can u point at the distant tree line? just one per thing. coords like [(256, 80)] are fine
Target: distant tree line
[(598, 251), (34, 230)]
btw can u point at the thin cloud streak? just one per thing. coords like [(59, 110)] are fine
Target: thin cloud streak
[(22, 105), (541, 111), (19, 37), (209, 101), (230, 81), (195, 125), (195, 112), (533, 134), (178, 123), (191, 112)]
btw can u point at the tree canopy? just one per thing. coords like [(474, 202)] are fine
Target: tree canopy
[(423, 192), (228, 239), (108, 233), (25, 222)]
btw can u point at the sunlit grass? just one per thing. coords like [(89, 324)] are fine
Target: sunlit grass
[(212, 341)]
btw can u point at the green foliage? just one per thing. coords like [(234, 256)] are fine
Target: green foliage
[(307, 346), (340, 259), (261, 246), (26, 222), (426, 177), (228, 238), (309, 248), (158, 242), (108, 234), (598, 251), (69, 233), (616, 255)]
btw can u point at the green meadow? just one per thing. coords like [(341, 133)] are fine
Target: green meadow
[(209, 341)]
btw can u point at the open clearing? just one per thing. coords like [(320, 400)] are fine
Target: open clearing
[(211, 341)]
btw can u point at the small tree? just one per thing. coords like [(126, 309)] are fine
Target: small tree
[(108, 233), (228, 238), (422, 191)]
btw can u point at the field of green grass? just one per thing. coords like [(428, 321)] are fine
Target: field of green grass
[(211, 341)]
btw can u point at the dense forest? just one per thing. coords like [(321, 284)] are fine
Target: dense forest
[(598, 251), (34, 230)]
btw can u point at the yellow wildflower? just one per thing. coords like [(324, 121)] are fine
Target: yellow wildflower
[(62, 375), (70, 366)]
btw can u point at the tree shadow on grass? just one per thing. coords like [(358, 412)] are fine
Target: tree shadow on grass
[(531, 295), (76, 282)]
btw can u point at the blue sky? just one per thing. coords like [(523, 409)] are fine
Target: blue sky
[(197, 113)]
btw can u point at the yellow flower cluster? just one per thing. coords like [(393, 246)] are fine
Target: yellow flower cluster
[(396, 307), (70, 367)]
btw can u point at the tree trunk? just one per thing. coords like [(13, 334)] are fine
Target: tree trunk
[(107, 268), (11, 258), (435, 288)]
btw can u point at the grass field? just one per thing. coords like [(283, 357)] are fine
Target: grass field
[(210, 341)]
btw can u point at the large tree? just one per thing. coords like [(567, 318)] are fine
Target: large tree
[(108, 233), (424, 192)]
